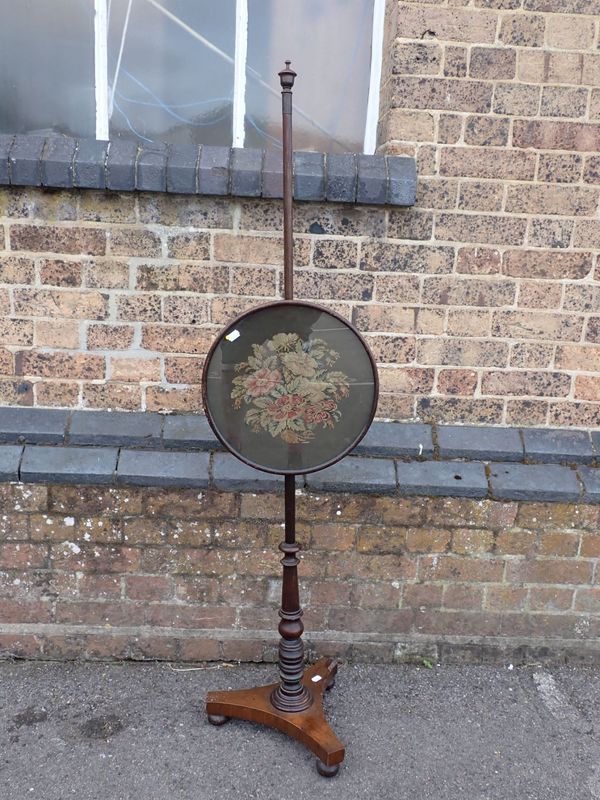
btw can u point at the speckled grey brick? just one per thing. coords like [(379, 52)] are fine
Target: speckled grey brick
[(246, 172), (440, 478), (57, 161), (231, 473), (189, 430), (5, 145), (120, 164), (151, 168), (402, 180), (481, 443), (272, 174), (590, 478), (139, 428), (90, 160), (558, 446), (371, 184), (353, 474), (94, 465), (182, 165), (309, 176), (213, 170), (10, 458), (144, 468), (533, 482), (33, 425), (340, 183), (26, 160), (396, 439)]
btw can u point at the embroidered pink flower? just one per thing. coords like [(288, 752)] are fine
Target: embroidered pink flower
[(317, 414), (288, 406), (263, 382), (300, 364)]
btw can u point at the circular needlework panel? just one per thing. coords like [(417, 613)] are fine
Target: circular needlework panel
[(290, 387)]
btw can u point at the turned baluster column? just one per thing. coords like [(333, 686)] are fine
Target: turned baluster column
[(291, 694)]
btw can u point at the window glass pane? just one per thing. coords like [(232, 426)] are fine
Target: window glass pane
[(329, 44), (47, 67), (175, 80)]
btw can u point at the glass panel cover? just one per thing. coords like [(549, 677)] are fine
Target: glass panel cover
[(290, 387)]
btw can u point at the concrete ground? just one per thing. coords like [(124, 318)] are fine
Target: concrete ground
[(115, 732)]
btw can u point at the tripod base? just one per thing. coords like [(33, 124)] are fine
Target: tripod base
[(308, 727)]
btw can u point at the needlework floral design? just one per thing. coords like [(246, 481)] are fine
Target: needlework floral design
[(290, 387)]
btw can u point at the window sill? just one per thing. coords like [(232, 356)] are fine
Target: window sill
[(62, 162)]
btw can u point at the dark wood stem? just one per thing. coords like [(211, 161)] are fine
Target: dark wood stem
[(287, 77), (291, 694)]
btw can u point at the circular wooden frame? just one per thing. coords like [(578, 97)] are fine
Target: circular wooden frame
[(289, 303)]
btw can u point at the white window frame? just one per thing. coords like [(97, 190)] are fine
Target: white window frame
[(105, 91)]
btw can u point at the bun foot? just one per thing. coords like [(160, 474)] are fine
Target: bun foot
[(325, 771), (217, 719)]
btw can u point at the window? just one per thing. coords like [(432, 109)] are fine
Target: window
[(192, 71)]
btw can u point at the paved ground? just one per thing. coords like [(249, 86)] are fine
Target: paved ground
[(115, 732)]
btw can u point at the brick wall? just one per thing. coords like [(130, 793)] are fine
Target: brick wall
[(177, 574), (481, 303), (499, 100)]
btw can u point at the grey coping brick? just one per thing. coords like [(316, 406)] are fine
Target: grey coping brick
[(396, 439), (533, 482), (159, 468), (356, 474), (30, 160), (189, 430), (89, 168), (371, 185), (151, 168), (26, 160), (590, 478), (57, 161), (120, 164), (10, 458), (340, 184), (213, 170), (596, 443), (5, 145), (246, 172), (231, 473), (182, 165), (442, 478), (94, 465), (402, 180), (33, 425), (139, 428), (272, 174), (557, 446), (482, 443), (309, 176)]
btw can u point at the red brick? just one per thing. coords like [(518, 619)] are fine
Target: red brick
[(540, 384), (493, 63), (61, 365), (148, 587), (550, 570), (23, 556), (463, 596), (552, 199), (459, 568)]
